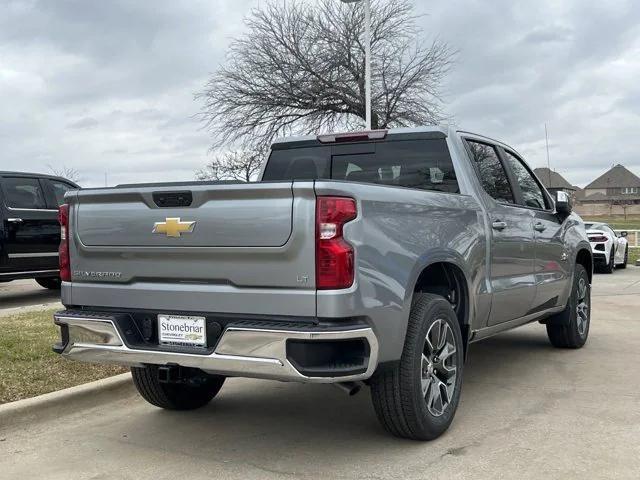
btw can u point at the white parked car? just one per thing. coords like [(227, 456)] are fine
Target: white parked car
[(610, 250)]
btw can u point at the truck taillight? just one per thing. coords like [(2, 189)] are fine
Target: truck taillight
[(334, 256), (63, 250)]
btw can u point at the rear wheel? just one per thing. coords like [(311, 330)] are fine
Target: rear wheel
[(52, 283), (570, 328), (417, 398), (196, 389)]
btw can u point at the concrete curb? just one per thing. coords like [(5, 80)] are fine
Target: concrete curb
[(62, 402)]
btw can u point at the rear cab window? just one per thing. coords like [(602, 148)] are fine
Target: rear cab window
[(421, 164)]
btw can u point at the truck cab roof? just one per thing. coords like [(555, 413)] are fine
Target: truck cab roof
[(428, 131), (37, 175)]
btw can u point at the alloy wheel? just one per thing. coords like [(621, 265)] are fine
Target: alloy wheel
[(438, 367), (582, 308)]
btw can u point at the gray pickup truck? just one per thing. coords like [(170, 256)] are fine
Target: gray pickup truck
[(364, 258)]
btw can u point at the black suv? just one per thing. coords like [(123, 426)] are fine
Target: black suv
[(29, 228)]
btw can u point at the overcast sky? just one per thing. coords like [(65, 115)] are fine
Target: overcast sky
[(107, 86)]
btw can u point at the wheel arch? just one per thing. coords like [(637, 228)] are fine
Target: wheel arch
[(441, 273), (584, 257)]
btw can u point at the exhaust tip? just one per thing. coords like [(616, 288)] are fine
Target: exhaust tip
[(350, 388)]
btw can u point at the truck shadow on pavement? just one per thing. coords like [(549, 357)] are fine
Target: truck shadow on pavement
[(14, 294), (264, 421)]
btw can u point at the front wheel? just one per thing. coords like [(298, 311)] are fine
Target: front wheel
[(570, 328), (626, 258), (195, 390), (417, 398)]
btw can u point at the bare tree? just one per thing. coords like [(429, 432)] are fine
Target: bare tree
[(242, 165), (624, 204), (65, 172), (300, 69)]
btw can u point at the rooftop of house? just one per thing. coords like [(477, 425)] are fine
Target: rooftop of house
[(551, 179), (616, 177)]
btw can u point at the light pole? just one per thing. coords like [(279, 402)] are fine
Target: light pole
[(367, 58)]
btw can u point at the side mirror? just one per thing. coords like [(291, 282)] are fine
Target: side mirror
[(623, 234), (563, 204)]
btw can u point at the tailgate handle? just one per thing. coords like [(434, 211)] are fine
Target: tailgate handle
[(173, 199)]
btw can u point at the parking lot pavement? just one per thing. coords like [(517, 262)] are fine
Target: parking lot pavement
[(25, 293), (527, 411), (620, 282)]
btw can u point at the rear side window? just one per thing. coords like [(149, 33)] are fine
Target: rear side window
[(491, 171), (421, 164), (23, 193)]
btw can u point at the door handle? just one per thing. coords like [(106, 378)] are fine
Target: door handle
[(539, 227), (14, 220), (499, 225)]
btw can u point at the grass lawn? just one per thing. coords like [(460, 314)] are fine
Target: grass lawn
[(618, 222), (28, 367)]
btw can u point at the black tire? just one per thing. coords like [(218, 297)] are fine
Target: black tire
[(397, 392), (626, 258), (566, 329), (609, 267), (175, 396), (52, 283)]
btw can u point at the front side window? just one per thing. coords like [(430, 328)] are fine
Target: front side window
[(532, 195), (23, 193), (492, 174)]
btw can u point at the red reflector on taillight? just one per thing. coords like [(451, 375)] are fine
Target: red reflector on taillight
[(63, 250), (599, 238), (334, 256)]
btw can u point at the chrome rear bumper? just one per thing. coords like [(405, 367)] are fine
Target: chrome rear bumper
[(240, 351)]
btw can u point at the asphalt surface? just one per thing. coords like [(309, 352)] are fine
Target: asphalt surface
[(528, 411), (25, 293)]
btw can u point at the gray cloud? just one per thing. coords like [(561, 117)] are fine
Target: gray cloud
[(108, 86), (84, 122), (569, 64)]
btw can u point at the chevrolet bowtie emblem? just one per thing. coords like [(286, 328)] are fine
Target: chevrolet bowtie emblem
[(173, 227)]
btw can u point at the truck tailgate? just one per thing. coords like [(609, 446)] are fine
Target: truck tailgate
[(235, 248), (229, 216)]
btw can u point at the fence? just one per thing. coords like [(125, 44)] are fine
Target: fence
[(633, 237), (605, 209)]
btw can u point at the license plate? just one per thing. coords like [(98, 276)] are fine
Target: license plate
[(182, 330)]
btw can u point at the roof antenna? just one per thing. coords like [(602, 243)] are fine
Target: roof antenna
[(546, 137)]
